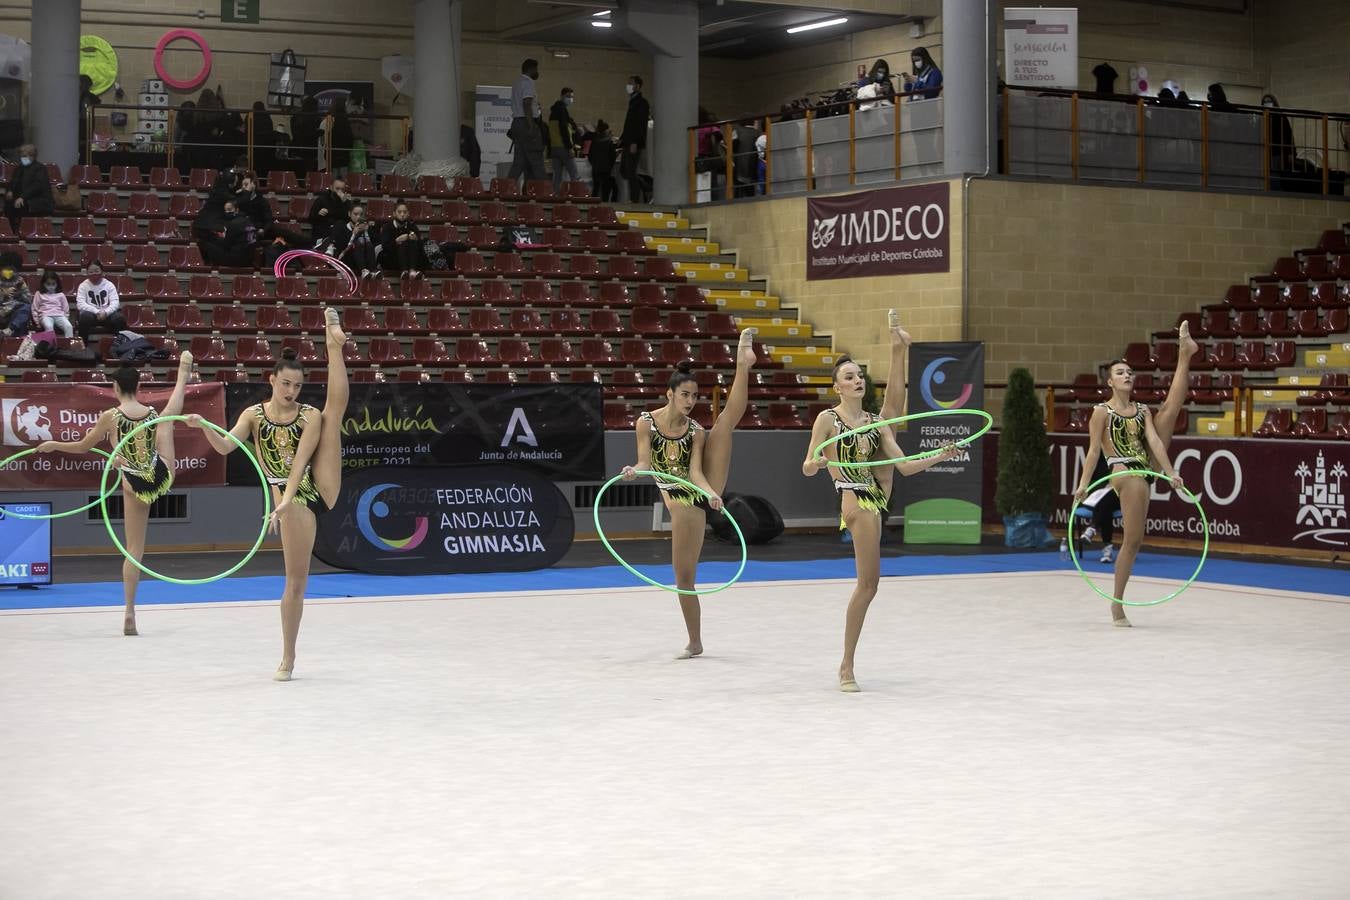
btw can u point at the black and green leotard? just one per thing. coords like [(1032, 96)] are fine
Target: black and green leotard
[(673, 455), (1125, 436), (861, 481), (276, 444), (144, 471)]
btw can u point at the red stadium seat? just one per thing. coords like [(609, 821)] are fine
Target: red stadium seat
[(445, 321), (607, 322), (164, 287), (430, 351), (565, 215), (58, 256), (537, 293), (402, 320), (558, 352), (493, 213), (485, 320), (387, 351), (639, 352), (141, 318), (432, 186), (505, 189), (469, 263), (127, 178), (599, 352), (305, 350), (292, 287), (185, 207), (144, 205), (81, 229), (526, 321), (358, 319), (186, 259), (578, 192), (615, 294), (498, 293), (458, 291), (531, 214), (249, 348), (187, 317), (516, 352), (1277, 422), (646, 321), (585, 267), (275, 319), (593, 240), (208, 349), (230, 317), (566, 321), (473, 351), (206, 287), (786, 415), (548, 265), (575, 294)]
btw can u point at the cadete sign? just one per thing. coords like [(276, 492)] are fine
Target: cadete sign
[(1040, 47), (893, 231), (1269, 493), (420, 521)]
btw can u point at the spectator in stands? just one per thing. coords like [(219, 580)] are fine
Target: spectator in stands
[(235, 243), (877, 85), (305, 135), (252, 203), (926, 82), (264, 137), (633, 140), (711, 152), (341, 138), (350, 242), (88, 100), (29, 192), (16, 301), (329, 209), (1282, 149), (602, 156), (526, 136), (1218, 99), (400, 247), (51, 306), (97, 304), (469, 149), (745, 158), (562, 139)]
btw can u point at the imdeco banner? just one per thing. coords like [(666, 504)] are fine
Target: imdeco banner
[(893, 231)]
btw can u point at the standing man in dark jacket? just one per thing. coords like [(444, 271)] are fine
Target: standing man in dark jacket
[(562, 139), (29, 192), (633, 141), (469, 149), (330, 208)]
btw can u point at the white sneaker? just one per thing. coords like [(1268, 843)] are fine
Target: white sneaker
[(1106, 554), (1089, 533)]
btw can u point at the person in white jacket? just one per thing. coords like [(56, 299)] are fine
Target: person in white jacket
[(98, 305)]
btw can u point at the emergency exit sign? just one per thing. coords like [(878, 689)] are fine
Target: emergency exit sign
[(239, 11)]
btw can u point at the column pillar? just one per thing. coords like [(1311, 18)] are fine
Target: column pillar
[(667, 30), (436, 97), (967, 86), (54, 91)]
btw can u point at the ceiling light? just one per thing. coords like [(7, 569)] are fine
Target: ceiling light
[(601, 15), (601, 23), (826, 23)]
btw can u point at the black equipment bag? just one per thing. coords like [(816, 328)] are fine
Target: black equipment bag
[(759, 520)]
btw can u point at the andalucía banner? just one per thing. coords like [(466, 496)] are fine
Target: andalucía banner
[(942, 505)]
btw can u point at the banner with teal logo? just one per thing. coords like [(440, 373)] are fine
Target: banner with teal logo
[(399, 520), (942, 505)]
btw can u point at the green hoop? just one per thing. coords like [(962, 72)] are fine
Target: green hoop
[(872, 426), (1184, 494), (112, 533), (61, 515), (595, 513)]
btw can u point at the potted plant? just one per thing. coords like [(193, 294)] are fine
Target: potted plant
[(1025, 494)]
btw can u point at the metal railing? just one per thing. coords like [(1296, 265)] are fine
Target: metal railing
[(168, 143), (1082, 136), (826, 147)]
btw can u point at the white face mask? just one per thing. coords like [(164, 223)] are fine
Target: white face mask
[(918, 65), (25, 161), (628, 88), (567, 100)]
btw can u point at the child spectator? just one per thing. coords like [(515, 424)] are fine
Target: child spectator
[(16, 301), (98, 305), (602, 155), (51, 307), (351, 243)]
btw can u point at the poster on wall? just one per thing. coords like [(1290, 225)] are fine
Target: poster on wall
[(33, 413), (556, 429), (491, 122), (942, 504), (1269, 493), (1040, 47), (892, 231)]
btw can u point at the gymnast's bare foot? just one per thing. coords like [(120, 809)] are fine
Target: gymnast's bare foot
[(691, 651), (129, 625), (1118, 616), (284, 670), (1188, 344)]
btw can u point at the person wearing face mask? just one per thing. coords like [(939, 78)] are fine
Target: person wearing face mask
[(351, 242), (633, 139), (926, 82), (400, 248), (876, 88), (562, 139), (329, 209), (29, 192), (51, 306), (526, 134), (16, 300), (234, 243), (98, 305)]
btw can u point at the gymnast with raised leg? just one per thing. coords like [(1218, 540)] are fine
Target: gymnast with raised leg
[(300, 449), (1133, 442), (669, 441), (865, 493), (146, 463)]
